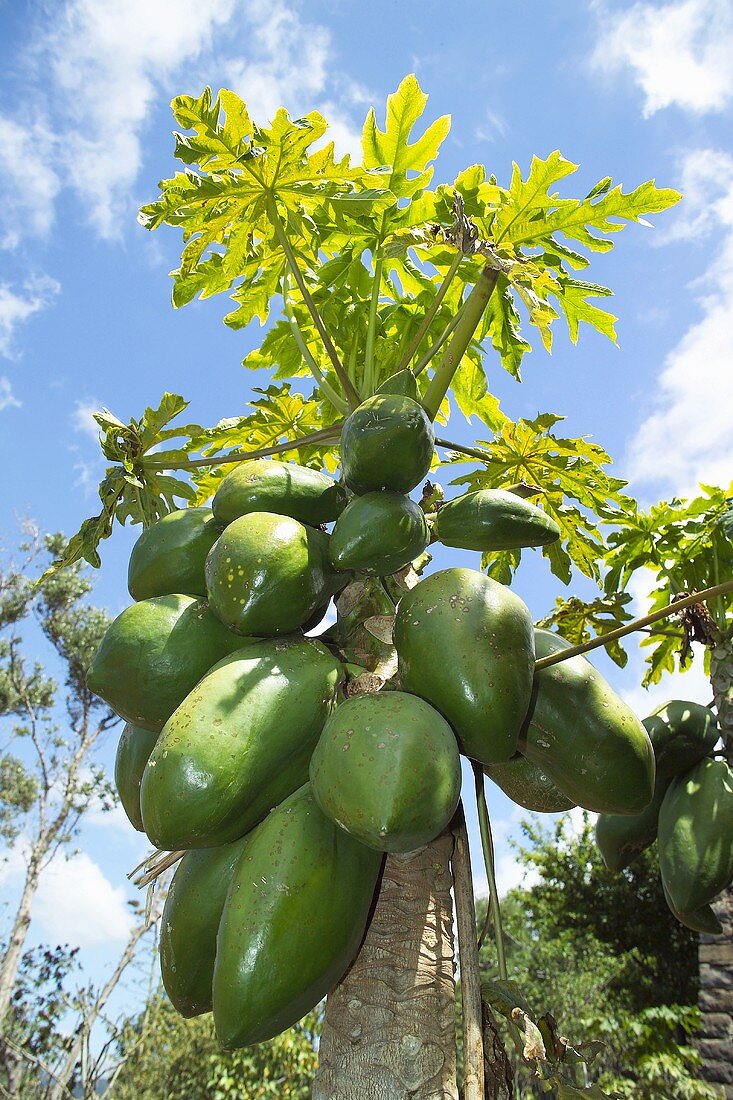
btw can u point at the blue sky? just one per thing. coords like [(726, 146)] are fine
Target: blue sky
[(629, 90)]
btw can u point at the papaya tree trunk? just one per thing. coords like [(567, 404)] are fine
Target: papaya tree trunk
[(389, 1031), (716, 952)]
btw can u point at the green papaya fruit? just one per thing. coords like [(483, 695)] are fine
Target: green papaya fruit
[(133, 749), (621, 838), (239, 743), (386, 443), (169, 557), (190, 923), (465, 644), (282, 488), (154, 653), (590, 744), (268, 573), (682, 733), (695, 837), (386, 769), (527, 785), (378, 534), (404, 383), (699, 920), (493, 519), (293, 921)]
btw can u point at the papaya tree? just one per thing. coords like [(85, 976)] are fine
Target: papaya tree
[(384, 298)]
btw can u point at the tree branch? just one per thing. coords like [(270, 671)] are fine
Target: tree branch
[(475, 306), (350, 393), (323, 434), (637, 624)]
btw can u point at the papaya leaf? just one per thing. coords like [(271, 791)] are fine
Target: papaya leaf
[(579, 621)]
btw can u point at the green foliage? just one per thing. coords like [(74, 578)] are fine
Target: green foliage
[(601, 953), (676, 547), (567, 471), (167, 1056), (370, 267)]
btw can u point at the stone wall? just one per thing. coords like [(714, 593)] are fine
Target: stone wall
[(716, 1000)]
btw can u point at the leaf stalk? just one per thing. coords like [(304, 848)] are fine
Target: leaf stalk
[(471, 315), (487, 845), (430, 313)]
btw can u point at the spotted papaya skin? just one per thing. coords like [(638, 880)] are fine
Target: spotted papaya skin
[(387, 770), (465, 644), (283, 488), (239, 743), (386, 443), (294, 917), (587, 740)]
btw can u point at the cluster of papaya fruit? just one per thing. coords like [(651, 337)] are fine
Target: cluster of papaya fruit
[(248, 747), (690, 815)]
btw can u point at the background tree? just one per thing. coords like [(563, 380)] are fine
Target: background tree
[(49, 778)]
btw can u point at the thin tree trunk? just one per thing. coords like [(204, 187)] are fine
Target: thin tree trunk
[(21, 924), (389, 1032), (59, 1089), (716, 952)]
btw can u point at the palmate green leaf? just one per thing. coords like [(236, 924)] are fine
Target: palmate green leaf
[(574, 303), (579, 621), (577, 492), (279, 415), (391, 147)]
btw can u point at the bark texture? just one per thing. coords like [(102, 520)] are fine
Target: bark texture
[(716, 952), (389, 1032)]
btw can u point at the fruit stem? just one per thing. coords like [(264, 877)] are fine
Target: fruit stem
[(629, 628), (350, 393), (473, 1045), (487, 844), (327, 389), (372, 329), (473, 311), (321, 436), (430, 313)]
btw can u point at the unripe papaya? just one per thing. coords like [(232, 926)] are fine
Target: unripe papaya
[(386, 769), (465, 644), (283, 488), (527, 785), (154, 653), (699, 920), (239, 743), (170, 555), (190, 923), (267, 574), (584, 737), (403, 382), (682, 733), (386, 443), (293, 921), (133, 749), (622, 838), (695, 838), (494, 519), (378, 534)]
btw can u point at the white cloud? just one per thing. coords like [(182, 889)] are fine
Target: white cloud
[(31, 184), (17, 306), (679, 53), (82, 418), (685, 437), (493, 126), (104, 66), (7, 398), (76, 903)]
